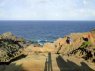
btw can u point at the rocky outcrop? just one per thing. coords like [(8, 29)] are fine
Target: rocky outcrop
[(79, 46), (11, 46)]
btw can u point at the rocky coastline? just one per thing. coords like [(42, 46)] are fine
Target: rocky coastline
[(81, 47)]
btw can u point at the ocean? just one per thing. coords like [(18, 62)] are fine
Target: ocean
[(42, 31)]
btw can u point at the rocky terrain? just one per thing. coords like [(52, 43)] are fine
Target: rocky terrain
[(78, 55), (78, 47), (11, 47)]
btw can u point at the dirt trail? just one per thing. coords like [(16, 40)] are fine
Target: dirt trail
[(49, 62), (54, 63)]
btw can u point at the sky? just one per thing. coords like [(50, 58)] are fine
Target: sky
[(47, 10)]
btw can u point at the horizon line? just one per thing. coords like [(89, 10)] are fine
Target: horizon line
[(47, 20)]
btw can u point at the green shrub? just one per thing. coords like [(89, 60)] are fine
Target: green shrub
[(85, 44)]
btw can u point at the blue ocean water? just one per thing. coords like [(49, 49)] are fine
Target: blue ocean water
[(45, 30)]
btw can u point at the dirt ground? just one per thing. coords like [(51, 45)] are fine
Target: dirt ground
[(49, 62)]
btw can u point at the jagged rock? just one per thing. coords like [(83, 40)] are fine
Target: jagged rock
[(11, 46)]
